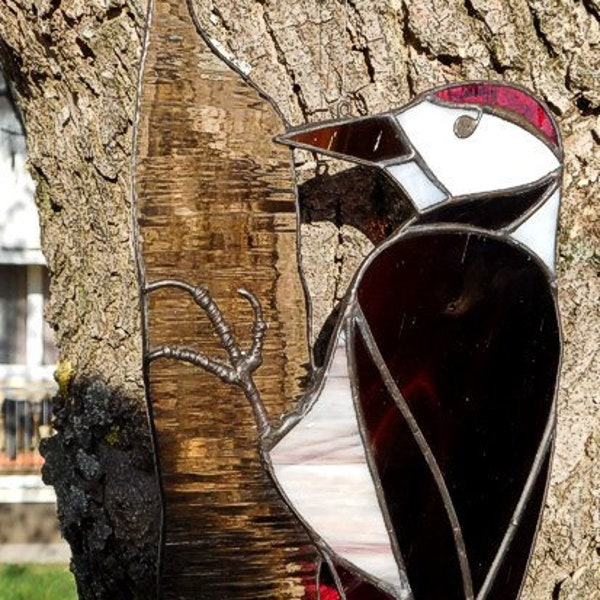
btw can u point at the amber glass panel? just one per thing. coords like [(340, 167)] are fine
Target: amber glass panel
[(467, 326), (216, 207), (372, 139), (492, 212), (416, 510)]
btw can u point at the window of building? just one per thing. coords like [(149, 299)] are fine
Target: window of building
[(27, 350), (26, 342)]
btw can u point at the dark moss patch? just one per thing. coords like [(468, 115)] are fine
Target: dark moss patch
[(102, 467)]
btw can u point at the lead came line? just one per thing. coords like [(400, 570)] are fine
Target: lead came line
[(516, 518), (141, 281), (371, 462), (392, 388)]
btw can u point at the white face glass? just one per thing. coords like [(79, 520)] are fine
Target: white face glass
[(538, 231), (420, 189), (493, 155)]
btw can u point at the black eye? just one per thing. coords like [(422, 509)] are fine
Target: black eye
[(464, 126)]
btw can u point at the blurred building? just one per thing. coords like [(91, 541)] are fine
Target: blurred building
[(27, 351)]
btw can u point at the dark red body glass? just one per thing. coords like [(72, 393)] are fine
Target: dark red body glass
[(467, 326)]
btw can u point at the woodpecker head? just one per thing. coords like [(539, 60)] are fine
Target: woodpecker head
[(480, 153)]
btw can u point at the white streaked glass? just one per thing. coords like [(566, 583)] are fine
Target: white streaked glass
[(322, 468), (421, 190), (538, 232), (498, 155)]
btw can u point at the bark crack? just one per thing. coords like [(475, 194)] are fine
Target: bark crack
[(357, 12), (113, 12), (406, 39), (496, 64), (281, 58), (584, 105), (556, 590), (219, 16), (540, 33), (339, 254), (360, 43), (591, 8), (489, 37), (474, 13), (86, 50), (52, 8), (12, 65), (412, 40)]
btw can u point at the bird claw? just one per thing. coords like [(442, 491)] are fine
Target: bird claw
[(242, 364)]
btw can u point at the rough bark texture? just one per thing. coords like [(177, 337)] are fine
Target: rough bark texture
[(74, 66)]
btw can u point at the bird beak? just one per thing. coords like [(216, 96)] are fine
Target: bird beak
[(367, 140), (319, 138)]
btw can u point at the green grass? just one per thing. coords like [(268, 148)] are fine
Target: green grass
[(36, 582)]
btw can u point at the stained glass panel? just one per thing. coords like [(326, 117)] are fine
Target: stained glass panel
[(416, 459), (491, 212)]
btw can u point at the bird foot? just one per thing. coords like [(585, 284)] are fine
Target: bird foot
[(242, 363)]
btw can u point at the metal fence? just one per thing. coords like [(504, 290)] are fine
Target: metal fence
[(23, 423)]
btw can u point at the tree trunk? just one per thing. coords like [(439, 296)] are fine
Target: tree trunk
[(117, 106)]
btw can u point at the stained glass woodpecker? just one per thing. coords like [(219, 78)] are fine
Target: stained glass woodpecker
[(419, 461)]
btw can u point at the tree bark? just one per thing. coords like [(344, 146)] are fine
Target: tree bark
[(75, 68)]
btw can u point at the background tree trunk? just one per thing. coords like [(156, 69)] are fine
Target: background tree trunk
[(75, 66)]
